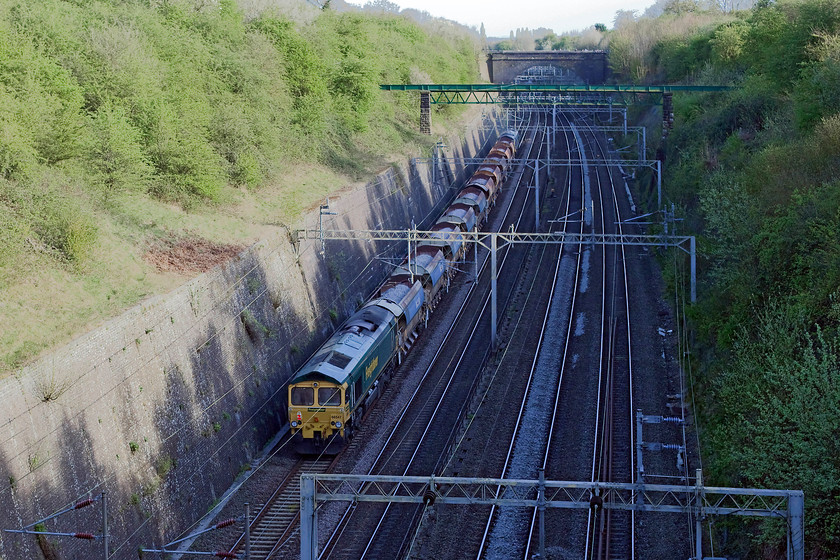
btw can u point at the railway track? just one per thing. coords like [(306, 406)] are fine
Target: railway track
[(503, 535), (278, 517), (611, 533), (591, 430), (415, 444)]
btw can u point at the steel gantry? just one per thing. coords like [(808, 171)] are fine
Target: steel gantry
[(576, 112), (695, 499), (493, 241), (539, 164), (508, 93)]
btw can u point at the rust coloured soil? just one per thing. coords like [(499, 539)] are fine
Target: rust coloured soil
[(189, 254)]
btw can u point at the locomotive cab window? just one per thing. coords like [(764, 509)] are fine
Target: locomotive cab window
[(329, 396), (303, 396)]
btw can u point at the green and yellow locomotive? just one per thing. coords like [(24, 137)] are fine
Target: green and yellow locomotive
[(328, 396)]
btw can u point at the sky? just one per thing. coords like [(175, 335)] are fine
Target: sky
[(501, 17)]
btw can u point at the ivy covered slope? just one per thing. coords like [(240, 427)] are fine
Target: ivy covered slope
[(757, 171), (135, 135)]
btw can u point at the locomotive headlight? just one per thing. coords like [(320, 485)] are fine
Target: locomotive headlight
[(294, 424), (338, 424)]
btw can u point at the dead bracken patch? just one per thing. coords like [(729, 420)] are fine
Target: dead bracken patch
[(188, 253)]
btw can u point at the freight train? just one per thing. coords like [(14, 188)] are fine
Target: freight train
[(329, 395)]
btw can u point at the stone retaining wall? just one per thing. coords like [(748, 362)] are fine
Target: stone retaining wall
[(163, 406)]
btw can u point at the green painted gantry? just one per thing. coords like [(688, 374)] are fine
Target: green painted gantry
[(545, 93)]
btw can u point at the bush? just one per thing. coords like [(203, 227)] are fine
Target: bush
[(304, 74), (55, 212), (117, 157), (816, 95), (109, 108), (777, 413), (727, 44), (257, 332), (764, 197)]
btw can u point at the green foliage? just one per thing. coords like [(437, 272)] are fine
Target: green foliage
[(757, 172), (47, 206), (304, 73), (181, 100), (679, 57), (816, 95), (781, 395), (257, 332), (780, 35), (671, 47), (164, 466), (115, 117), (117, 157), (727, 44)]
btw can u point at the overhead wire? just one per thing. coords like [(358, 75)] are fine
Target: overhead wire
[(223, 299), (390, 247)]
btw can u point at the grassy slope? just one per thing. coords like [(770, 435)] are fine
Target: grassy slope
[(757, 175), (125, 128)]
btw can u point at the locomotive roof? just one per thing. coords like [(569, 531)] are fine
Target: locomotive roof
[(338, 357)]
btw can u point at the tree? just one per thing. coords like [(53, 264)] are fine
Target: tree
[(601, 27), (546, 43), (383, 6), (678, 7), (117, 154), (624, 18)]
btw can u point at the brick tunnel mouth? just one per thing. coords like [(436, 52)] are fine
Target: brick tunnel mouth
[(586, 67)]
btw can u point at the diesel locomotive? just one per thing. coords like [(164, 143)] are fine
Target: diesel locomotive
[(329, 395)]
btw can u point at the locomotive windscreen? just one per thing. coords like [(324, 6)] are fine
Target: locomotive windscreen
[(303, 396)]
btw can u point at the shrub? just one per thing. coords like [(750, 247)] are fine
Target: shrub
[(67, 227), (816, 95), (164, 465), (117, 156), (257, 332), (727, 44), (304, 72)]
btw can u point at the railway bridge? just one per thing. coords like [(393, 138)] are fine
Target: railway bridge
[(574, 67)]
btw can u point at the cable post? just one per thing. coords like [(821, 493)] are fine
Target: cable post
[(170, 548), (83, 535), (324, 210), (247, 531)]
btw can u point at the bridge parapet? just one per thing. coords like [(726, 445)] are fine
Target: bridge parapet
[(590, 67)]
